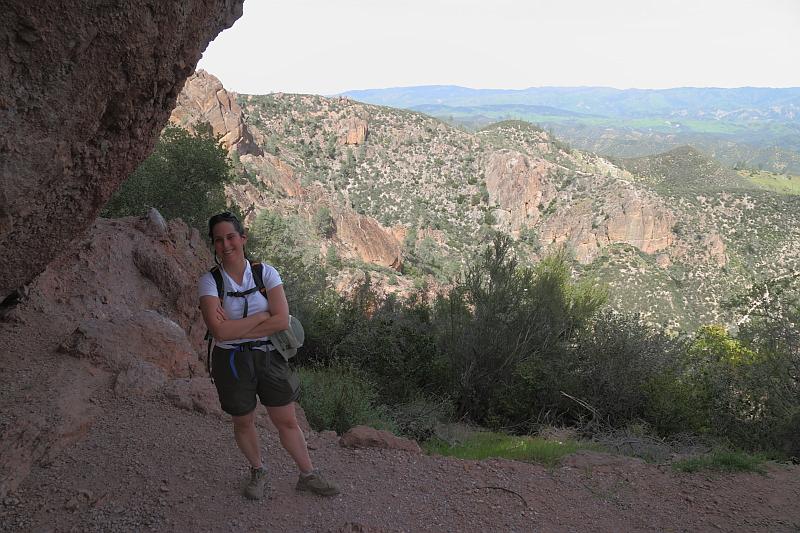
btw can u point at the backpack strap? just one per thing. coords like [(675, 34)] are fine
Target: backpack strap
[(258, 277), (217, 275)]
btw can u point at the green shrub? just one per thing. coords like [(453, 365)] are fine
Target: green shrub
[(393, 343), (184, 178), (419, 417), (506, 333), (324, 223), (335, 398), (626, 370), (745, 395)]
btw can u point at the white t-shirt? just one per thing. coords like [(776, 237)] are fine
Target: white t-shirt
[(233, 305)]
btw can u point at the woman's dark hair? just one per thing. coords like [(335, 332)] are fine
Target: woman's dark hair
[(225, 216)]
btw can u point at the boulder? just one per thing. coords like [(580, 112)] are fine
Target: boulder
[(367, 437), (140, 379), (195, 394), (120, 342)]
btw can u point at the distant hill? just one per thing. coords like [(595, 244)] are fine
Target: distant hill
[(684, 168), (754, 127), (746, 103)]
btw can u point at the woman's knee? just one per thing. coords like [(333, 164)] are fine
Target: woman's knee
[(244, 422), (283, 417)]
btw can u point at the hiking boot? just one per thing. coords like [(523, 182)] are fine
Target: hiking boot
[(314, 482), (257, 485)]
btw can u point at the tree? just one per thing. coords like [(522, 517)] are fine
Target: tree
[(184, 178), (324, 223)]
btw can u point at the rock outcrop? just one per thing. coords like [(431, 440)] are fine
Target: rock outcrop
[(204, 100), (519, 185), (367, 437), (363, 237), (354, 131), (92, 85), (641, 221), (117, 311)]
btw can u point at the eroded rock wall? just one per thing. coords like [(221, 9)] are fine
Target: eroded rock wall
[(87, 87)]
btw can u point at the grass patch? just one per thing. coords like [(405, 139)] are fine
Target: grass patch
[(722, 461), (780, 183), (485, 445)]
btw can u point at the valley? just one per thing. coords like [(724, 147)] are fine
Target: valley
[(411, 199)]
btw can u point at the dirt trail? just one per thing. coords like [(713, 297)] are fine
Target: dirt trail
[(147, 465)]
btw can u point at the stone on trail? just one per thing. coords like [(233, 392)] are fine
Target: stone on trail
[(367, 437)]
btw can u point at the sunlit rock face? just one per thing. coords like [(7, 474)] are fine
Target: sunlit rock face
[(204, 100), (87, 87), (520, 185)]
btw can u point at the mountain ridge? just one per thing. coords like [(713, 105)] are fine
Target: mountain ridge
[(438, 192)]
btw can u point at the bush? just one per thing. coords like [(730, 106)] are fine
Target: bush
[(335, 398), (419, 417), (746, 394), (184, 178), (506, 332), (625, 369), (324, 223), (393, 343)]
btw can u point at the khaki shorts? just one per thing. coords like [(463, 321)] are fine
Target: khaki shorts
[(240, 375)]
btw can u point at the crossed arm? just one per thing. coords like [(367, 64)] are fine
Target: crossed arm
[(251, 327)]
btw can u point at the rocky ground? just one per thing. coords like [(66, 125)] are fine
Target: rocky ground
[(143, 464), (148, 466)]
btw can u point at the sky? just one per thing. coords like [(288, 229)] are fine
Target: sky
[(331, 46)]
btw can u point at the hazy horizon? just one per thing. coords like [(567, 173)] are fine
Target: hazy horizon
[(320, 47)]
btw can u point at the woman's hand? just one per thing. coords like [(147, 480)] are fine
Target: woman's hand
[(220, 312)]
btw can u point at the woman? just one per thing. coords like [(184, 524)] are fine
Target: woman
[(244, 364)]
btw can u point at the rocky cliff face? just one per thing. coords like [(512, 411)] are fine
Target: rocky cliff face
[(354, 131), (364, 238), (641, 221), (519, 185), (204, 99), (86, 90), (276, 184)]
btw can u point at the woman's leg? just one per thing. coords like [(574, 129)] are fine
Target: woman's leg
[(291, 435), (244, 430)]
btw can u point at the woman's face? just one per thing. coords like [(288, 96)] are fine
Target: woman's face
[(228, 244)]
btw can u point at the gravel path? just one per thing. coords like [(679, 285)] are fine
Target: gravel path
[(149, 466)]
